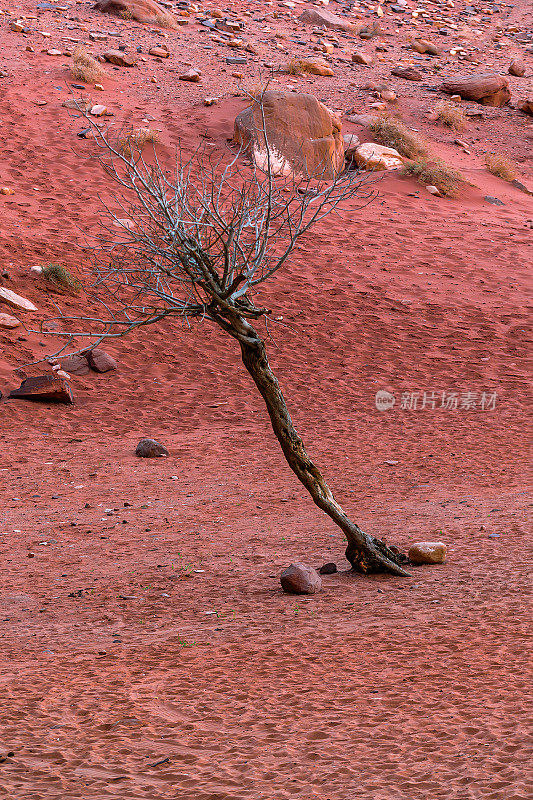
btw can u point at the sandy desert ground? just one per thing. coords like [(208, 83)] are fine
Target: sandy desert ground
[(146, 647)]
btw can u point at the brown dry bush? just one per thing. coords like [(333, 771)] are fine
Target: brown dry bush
[(135, 140), (86, 68), (165, 20), (61, 278), (501, 167), (450, 115), (392, 132), (435, 172)]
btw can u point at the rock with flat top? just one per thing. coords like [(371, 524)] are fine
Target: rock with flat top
[(527, 107), (321, 16), (300, 579), (407, 73), (16, 300), (138, 10), (372, 156), (487, 89), (44, 388), (427, 553), (119, 58)]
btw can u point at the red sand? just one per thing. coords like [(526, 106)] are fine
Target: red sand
[(178, 643)]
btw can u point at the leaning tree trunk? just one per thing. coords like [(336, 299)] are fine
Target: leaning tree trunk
[(365, 553)]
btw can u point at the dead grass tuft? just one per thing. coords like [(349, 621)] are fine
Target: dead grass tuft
[(392, 132), (436, 172), (136, 139), (61, 278), (450, 115), (501, 167), (165, 20), (86, 68)]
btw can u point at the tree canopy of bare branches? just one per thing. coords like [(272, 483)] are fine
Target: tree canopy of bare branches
[(197, 241)]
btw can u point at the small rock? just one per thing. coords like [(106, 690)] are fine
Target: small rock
[(149, 448), (388, 95), (425, 46), (433, 190), (427, 553), (159, 52), (527, 107), (192, 75), (362, 58), (98, 110), (210, 101), (351, 143), (99, 360), (495, 201), (76, 364), (15, 300), (300, 579), (328, 569), (408, 73), (517, 68), (6, 190), (119, 58), (364, 120), (7, 321), (523, 188)]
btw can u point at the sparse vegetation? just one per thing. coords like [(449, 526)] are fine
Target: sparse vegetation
[(300, 66), (136, 139), (86, 68), (125, 14), (165, 20), (435, 172), (501, 167), (62, 278), (392, 132), (450, 115)]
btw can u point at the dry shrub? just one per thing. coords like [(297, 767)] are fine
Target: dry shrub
[(501, 166), (125, 14), (299, 66), (61, 278), (435, 172), (86, 68), (450, 115), (135, 140), (165, 20), (391, 132)]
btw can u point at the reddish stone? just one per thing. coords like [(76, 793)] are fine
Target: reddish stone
[(300, 579), (44, 388), (100, 361)]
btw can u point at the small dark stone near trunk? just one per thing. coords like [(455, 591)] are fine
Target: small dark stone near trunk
[(328, 569), (149, 448)]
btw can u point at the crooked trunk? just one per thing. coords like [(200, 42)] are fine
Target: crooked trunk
[(364, 552)]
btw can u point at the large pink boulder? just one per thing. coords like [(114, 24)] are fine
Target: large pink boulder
[(139, 10), (304, 136), (487, 89)]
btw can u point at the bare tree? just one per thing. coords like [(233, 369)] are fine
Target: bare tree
[(196, 242)]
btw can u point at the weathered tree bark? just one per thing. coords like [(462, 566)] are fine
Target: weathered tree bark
[(365, 553)]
